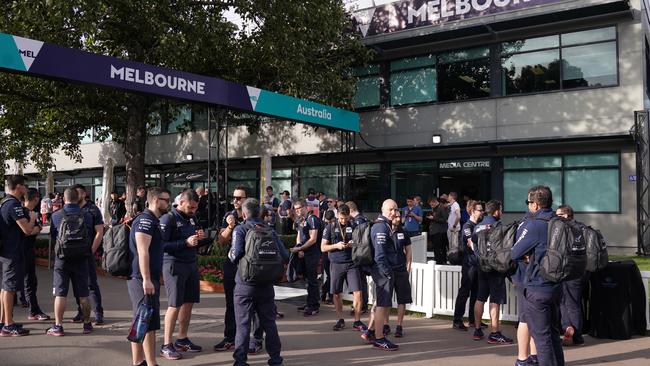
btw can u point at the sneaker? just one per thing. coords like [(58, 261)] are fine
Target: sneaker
[(498, 338), (185, 345), (77, 318), (99, 319), (399, 332), (169, 352), (88, 328), (478, 334), (567, 339), (533, 360), (143, 363), (368, 336), (459, 326), (311, 312), (339, 325), (55, 330), (39, 316), (578, 340), (224, 345), (255, 346), (386, 330), (385, 344), (523, 363), (13, 330), (358, 325)]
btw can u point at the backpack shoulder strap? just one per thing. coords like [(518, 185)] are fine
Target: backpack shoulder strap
[(173, 225)]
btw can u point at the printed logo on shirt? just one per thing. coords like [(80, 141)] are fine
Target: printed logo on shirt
[(400, 236), (348, 230), (145, 224), (191, 221)]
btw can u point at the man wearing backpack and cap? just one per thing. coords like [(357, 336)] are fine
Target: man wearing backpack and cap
[(541, 297), (491, 284), (71, 230), (96, 234), (254, 290)]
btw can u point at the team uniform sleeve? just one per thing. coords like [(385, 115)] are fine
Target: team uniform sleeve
[(380, 239), (238, 247), (16, 211), (327, 232), (144, 225)]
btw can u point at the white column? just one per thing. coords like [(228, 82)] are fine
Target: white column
[(107, 188), (265, 175)]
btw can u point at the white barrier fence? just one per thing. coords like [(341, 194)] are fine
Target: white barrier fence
[(434, 289)]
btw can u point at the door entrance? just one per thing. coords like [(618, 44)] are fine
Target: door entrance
[(472, 185)]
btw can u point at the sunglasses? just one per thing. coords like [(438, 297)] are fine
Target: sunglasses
[(238, 198), (164, 199), (529, 202)]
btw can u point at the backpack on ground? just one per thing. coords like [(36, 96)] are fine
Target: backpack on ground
[(566, 253), (72, 241), (363, 253), (262, 263), (495, 248), (115, 260), (597, 257)]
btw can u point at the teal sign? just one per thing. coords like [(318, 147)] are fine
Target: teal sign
[(37, 58)]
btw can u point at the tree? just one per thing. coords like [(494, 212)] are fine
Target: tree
[(301, 48)]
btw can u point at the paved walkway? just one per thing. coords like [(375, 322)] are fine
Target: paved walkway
[(305, 341)]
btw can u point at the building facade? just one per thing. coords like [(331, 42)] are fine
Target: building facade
[(482, 97)]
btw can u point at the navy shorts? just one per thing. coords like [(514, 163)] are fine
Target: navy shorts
[(66, 271), (181, 283), (402, 286), (13, 273), (136, 293), (492, 285), (383, 288), (344, 272)]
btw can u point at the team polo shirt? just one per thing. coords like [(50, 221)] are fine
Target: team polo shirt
[(147, 223), (12, 234), (312, 222), (175, 228), (335, 233)]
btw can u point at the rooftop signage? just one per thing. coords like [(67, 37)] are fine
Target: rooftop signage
[(392, 16), (42, 59)]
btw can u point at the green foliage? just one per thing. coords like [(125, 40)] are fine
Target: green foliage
[(297, 47)]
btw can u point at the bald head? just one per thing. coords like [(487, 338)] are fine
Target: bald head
[(389, 209)]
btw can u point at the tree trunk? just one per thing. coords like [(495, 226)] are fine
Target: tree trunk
[(134, 151)]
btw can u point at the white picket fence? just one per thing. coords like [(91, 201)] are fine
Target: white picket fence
[(434, 289)]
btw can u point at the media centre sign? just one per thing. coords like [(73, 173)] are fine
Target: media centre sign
[(481, 164), (408, 14)]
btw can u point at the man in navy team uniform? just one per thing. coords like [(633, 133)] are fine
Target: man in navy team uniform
[(145, 245), (308, 240)]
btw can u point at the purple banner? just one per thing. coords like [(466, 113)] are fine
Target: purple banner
[(408, 14)]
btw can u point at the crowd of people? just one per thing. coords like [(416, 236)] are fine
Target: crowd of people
[(167, 232)]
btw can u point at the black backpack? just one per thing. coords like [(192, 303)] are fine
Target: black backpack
[(495, 248), (116, 259), (262, 263), (566, 254), (72, 241), (597, 256), (363, 253)]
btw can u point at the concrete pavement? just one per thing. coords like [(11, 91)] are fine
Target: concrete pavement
[(306, 341)]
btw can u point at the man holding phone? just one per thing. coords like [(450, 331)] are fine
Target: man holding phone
[(181, 236)]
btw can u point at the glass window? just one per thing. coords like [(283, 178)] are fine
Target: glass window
[(531, 72), (365, 187), (200, 118), (181, 122), (246, 178), (531, 44), (368, 87), (590, 65), (281, 173), (592, 190), (588, 36), (464, 74), (412, 178), (525, 162), (517, 184), (413, 80), (413, 86), (321, 178), (591, 160), (281, 181)]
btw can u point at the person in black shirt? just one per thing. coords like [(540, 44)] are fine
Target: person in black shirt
[(308, 241), (469, 279), (117, 209), (31, 282), (139, 201)]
